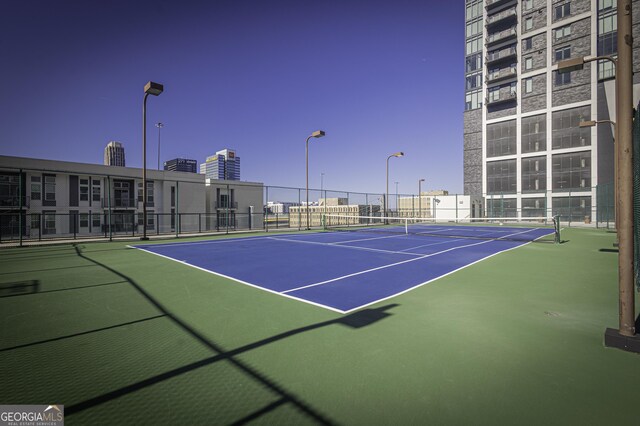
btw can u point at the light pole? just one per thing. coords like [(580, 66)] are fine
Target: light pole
[(420, 197), (625, 334), (159, 126), (316, 134), (386, 196), (154, 89), (397, 209)]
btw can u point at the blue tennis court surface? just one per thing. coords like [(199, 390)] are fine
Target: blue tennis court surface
[(341, 271)]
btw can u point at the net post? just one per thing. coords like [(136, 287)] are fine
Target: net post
[(406, 226), (556, 226)]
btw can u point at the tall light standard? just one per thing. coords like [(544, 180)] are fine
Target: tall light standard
[(316, 134), (397, 209), (386, 196), (420, 197), (154, 89), (624, 336), (159, 126)]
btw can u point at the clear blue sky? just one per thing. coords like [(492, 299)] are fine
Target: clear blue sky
[(256, 76)]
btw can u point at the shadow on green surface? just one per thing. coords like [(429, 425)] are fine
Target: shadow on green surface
[(356, 320), (55, 339), (19, 288), (63, 268)]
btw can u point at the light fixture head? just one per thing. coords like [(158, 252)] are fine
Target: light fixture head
[(318, 134), (152, 88), (589, 123), (399, 154), (573, 64)]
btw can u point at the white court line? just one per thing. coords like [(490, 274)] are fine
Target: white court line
[(346, 247), (435, 244), (369, 239), (393, 264), (243, 282)]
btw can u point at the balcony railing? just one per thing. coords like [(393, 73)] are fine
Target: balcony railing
[(501, 16), (220, 205), (502, 35), (13, 202), (502, 98), (501, 54), (489, 4), (502, 74), (119, 203)]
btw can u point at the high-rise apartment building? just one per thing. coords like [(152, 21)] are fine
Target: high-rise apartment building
[(224, 165), (114, 154), (181, 165), (525, 152)]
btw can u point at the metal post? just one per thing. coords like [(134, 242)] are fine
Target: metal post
[(109, 206), (20, 203), (228, 201), (177, 209), (624, 120), (266, 211), (39, 226), (144, 168)]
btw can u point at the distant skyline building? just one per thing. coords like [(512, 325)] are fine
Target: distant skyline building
[(114, 154), (181, 165), (224, 165)]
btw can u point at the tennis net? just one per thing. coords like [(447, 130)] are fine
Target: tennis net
[(513, 229)]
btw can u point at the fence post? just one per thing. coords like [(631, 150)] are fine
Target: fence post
[(228, 202), (21, 205), (75, 224), (199, 223), (109, 207), (157, 223), (177, 209), (300, 210), (39, 226)]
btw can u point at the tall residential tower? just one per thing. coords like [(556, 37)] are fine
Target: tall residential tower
[(224, 165), (114, 154), (525, 153)]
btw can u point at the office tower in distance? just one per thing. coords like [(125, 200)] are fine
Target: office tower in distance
[(114, 154), (527, 149), (224, 165), (181, 165)]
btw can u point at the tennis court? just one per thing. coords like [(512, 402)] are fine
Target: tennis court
[(345, 271)]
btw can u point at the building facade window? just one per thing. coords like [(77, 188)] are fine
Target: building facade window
[(560, 55), (95, 190), (84, 189), (473, 9), (528, 85), (473, 100), (474, 62), (527, 4), (474, 81), (49, 222), (562, 32), (571, 172), (534, 174), (502, 207), (534, 133), (36, 188), (501, 177), (527, 43), (95, 220), (562, 10), (528, 63), (50, 188), (566, 131), (84, 220), (528, 24), (501, 138), (474, 45), (534, 207), (474, 27), (572, 208)]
